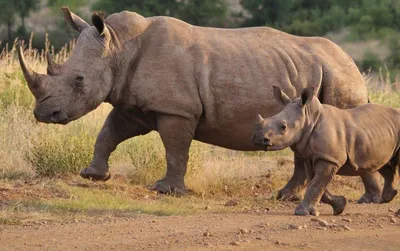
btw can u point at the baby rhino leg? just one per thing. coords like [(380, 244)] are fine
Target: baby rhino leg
[(390, 174), (338, 203)]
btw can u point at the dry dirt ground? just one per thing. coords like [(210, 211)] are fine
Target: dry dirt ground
[(361, 227)]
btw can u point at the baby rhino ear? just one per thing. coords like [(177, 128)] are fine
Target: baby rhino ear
[(280, 96), (306, 95)]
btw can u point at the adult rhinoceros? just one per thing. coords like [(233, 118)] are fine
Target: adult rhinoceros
[(188, 82)]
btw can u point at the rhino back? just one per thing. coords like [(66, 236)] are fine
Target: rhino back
[(224, 77)]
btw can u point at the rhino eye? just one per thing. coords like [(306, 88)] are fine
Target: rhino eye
[(79, 78)]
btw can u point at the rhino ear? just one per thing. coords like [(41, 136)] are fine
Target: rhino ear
[(306, 95), (73, 20), (98, 22), (280, 96)]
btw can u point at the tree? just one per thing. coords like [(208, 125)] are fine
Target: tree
[(197, 12), (13, 9)]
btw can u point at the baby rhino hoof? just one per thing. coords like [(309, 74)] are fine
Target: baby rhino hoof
[(92, 174), (388, 197), (339, 205), (369, 198), (304, 210)]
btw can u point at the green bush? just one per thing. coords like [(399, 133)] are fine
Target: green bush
[(62, 154), (370, 61)]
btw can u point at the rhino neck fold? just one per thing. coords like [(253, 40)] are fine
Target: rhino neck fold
[(312, 113)]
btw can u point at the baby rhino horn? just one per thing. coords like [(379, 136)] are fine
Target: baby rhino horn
[(259, 119)]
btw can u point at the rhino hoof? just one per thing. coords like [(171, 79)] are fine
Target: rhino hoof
[(386, 198), (94, 175), (368, 198), (339, 205), (305, 211), (165, 188), (286, 195)]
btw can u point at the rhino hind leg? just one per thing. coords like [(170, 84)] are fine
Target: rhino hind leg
[(373, 190), (294, 189), (390, 174), (338, 203), (176, 134)]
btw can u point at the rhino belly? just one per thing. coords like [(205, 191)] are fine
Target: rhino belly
[(233, 130)]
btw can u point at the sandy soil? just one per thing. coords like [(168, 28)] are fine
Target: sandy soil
[(361, 227)]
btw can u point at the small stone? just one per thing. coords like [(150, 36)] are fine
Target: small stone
[(391, 210), (231, 203), (346, 220), (321, 228), (323, 223), (207, 234), (392, 220), (244, 231), (305, 226), (234, 243), (347, 228), (207, 208), (258, 238), (277, 242), (295, 227)]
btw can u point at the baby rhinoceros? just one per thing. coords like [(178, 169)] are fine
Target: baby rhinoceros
[(333, 141)]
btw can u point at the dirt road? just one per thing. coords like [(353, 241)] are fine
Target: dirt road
[(361, 227)]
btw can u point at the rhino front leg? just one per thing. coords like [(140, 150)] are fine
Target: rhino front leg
[(176, 134), (373, 188), (117, 128), (294, 189), (323, 174)]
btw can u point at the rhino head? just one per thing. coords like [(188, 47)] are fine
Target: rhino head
[(285, 128), (76, 87)]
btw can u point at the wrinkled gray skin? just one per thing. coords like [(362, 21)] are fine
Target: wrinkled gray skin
[(188, 82), (333, 141)]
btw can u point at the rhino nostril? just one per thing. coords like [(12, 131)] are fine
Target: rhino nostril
[(266, 141)]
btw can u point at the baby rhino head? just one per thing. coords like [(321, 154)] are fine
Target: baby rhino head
[(285, 128)]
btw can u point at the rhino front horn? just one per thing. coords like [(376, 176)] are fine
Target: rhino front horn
[(31, 77), (52, 67), (259, 119)]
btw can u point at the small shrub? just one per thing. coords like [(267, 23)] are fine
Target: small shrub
[(370, 61), (147, 155), (53, 156)]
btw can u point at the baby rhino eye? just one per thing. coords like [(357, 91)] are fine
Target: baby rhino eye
[(283, 127)]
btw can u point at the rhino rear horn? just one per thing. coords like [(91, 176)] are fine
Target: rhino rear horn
[(52, 67), (31, 77), (280, 96)]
